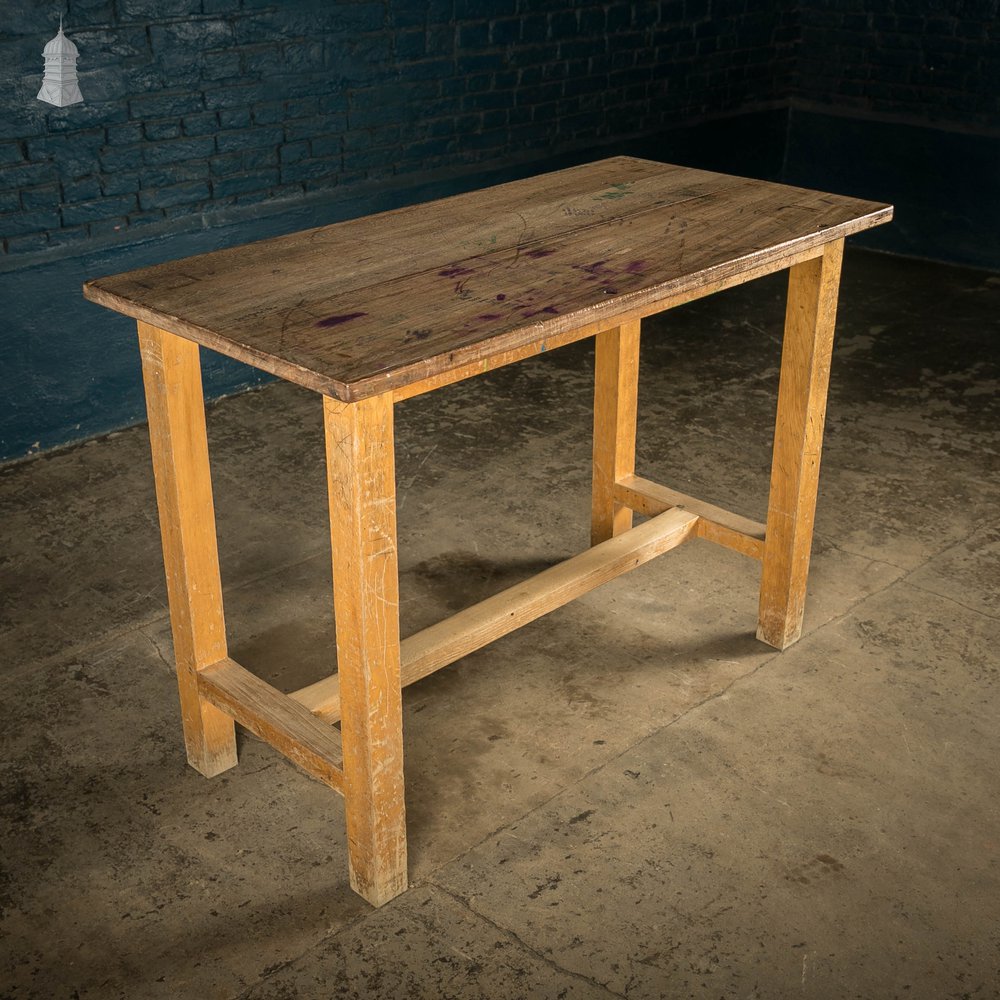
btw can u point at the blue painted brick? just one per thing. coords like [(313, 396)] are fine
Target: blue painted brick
[(25, 244), (484, 8), (410, 45), (490, 99), (306, 169), (267, 156), (115, 158), (44, 147), (269, 113), (495, 119), (231, 118), (481, 62), (10, 201), (566, 24), (68, 235), (429, 69), (191, 36), (250, 138), (326, 145), (169, 129), (120, 183), (252, 181), (173, 173), (291, 152), (178, 150), (124, 135), (300, 107), (206, 123), (45, 197), (28, 222), (100, 208), (222, 64), (368, 115), (10, 152), (593, 19), (25, 175), (235, 97), (534, 28), (177, 194), (165, 105), (505, 32), (84, 189), (150, 9), (474, 35)]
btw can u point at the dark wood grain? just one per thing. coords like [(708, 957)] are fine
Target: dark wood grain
[(377, 303)]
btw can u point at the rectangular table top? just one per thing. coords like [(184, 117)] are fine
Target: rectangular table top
[(377, 303)]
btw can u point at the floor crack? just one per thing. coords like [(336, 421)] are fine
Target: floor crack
[(514, 936)]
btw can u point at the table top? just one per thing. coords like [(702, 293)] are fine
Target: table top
[(360, 307)]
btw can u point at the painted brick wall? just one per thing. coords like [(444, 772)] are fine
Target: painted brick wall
[(923, 61), (195, 107)]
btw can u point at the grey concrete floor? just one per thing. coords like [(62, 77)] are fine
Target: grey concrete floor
[(630, 797)]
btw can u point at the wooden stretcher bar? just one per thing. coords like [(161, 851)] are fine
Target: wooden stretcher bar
[(477, 626), (715, 524), (276, 719)]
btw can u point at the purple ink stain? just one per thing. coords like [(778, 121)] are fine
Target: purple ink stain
[(538, 253), (337, 320), (455, 271), (636, 267), (490, 316), (537, 312), (501, 297), (598, 265)]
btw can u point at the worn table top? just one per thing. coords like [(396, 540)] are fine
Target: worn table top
[(380, 302)]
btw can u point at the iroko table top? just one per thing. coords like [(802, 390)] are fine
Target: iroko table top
[(377, 303)]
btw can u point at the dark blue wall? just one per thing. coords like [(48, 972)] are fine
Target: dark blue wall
[(201, 107)]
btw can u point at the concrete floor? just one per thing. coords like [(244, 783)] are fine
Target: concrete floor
[(630, 797)]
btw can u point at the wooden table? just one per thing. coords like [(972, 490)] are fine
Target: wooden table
[(379, 309)]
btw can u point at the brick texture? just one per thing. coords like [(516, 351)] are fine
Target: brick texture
[(923, 61), (193, 106)]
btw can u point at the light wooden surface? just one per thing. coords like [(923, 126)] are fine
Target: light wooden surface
[(172, 375), (715, 524), (476, 626), (616, 384), (379, 303), (276, 719), (810, 316), (362, 492)]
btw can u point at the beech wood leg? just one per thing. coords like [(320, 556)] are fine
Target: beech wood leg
[(361, 477), (616, 381), (171, 372), (798, 438)]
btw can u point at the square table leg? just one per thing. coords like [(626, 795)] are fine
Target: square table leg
[(361, 478), (616, 382), (798, 438), (171, 372)]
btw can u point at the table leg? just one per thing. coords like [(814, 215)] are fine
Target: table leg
[(616, 380), (361, 477), (798, 438), (172, 375)]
